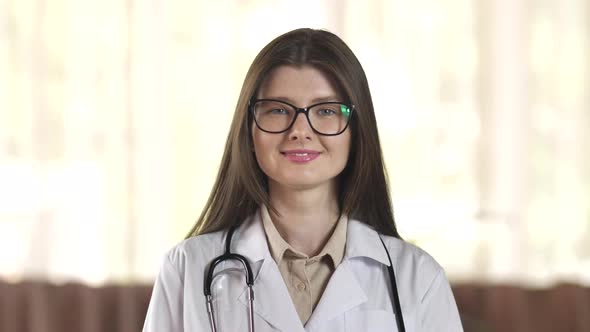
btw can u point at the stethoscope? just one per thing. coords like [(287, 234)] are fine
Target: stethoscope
[(228, 255)]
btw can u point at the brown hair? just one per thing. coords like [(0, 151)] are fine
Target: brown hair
[(241, 185)]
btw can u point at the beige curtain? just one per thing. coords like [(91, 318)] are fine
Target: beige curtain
[(113, 116)]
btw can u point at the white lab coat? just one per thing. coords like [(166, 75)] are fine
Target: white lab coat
[(357, 297)]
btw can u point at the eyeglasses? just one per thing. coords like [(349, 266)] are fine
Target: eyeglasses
[(277, 116)]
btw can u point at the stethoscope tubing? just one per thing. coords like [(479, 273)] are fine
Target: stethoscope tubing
[(228, 255), (397, 307), (249, 282)]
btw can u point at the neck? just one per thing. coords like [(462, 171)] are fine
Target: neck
[(306, 218)]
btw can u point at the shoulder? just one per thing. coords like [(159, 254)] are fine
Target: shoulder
[(197, 250), (425, 286), (414, 265), (363, 240), (404, 252)]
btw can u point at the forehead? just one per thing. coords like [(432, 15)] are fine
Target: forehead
[(298, 84)]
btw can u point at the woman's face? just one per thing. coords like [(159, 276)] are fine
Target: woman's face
[(300, 158)]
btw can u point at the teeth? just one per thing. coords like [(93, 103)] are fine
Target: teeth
[(301, 154)]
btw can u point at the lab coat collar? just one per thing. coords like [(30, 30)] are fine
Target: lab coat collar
[(249, 239), (269, 287), (361, 241), (364, 241)]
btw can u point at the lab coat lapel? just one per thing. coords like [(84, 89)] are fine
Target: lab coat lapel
[(363, 241), (272, 301), (250, 241), (342, 293)]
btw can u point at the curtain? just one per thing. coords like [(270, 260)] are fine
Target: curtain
[(113, 117)]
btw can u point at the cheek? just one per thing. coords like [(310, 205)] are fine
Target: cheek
[(343, 145), (259, 142), (339, 149), (257, 147), (264, 147), (348, 142)]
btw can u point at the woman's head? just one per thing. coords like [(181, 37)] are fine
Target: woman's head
[(300, 130), (242, 185)]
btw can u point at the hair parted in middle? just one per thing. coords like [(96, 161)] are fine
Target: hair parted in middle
[(241, 186)]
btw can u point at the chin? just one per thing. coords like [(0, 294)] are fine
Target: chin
[(300, 182)]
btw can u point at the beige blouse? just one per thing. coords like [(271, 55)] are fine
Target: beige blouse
[(306, 277)]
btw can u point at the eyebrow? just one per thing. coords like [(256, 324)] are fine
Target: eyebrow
[(313, 101)]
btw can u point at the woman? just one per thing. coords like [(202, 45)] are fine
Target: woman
[(302, 195)]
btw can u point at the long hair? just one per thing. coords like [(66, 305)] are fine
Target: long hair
[(241, 186)]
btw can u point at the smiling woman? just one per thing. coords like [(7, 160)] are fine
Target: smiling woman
[(303, 192)]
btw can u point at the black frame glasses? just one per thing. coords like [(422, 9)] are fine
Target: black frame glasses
[(305, 110)]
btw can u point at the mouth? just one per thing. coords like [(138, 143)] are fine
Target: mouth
[(300, 156)]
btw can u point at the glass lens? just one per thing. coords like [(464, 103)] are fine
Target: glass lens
[(329, 118), (273, 115), (325, 118)]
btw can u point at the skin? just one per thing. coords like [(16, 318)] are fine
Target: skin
[(305, 195)]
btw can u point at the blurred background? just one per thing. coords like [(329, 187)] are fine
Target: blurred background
[(114, 114)]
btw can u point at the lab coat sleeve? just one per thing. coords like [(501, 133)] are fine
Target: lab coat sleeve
[(166, 305), (438, 311)]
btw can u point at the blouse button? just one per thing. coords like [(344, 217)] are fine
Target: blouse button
[(301, 286)]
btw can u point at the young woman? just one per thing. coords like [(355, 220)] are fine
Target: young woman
[(298, 233)]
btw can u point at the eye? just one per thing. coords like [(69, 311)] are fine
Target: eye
[(326, 112), (278, 111)]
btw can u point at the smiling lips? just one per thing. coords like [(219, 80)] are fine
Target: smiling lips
[(300, 156)]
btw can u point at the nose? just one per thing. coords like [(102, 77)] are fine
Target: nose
[(301, 129)]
